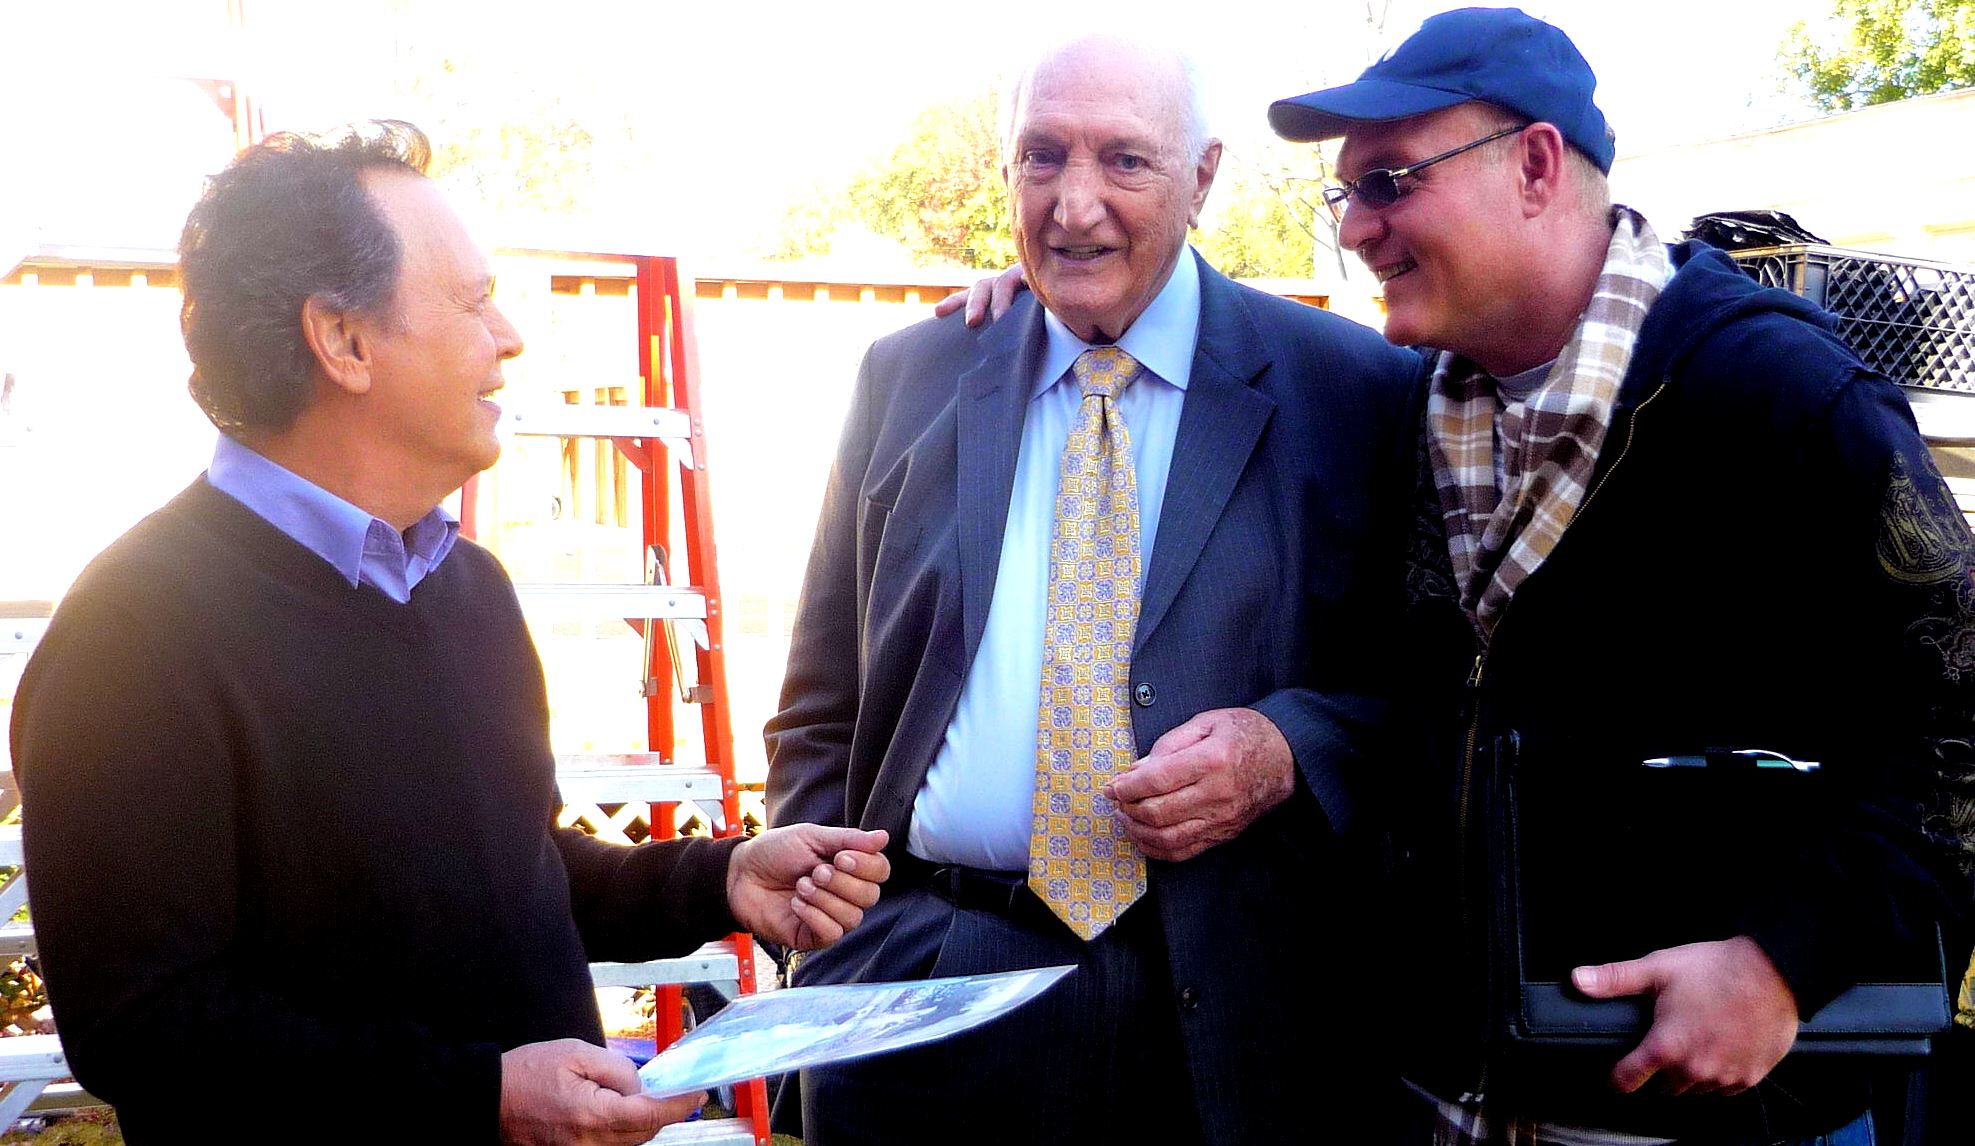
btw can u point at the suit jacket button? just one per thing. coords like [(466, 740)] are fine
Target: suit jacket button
[(1144, 694), (1189, 998)]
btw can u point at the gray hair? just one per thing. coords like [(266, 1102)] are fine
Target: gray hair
[(1194, 131)]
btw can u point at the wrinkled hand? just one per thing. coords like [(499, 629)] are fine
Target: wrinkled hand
[(1204, 782), (804, 885), (569, 1092), (1722, 1016), (987, 299)]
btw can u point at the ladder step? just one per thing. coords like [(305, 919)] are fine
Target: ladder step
[(63, 1097), (16, 940), (19, 635), (566, 421), (713, 963), (634, 778), (706, 1132), (573, 601), (32, 1056)]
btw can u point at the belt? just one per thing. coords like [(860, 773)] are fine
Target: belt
[(1001, 892)]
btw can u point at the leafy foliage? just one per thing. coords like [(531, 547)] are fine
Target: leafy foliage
[(1892, 49), (21, 995), (940, 192), (1266, 216), (503, 138)]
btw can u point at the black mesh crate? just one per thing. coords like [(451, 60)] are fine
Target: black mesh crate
[(1909, 319)]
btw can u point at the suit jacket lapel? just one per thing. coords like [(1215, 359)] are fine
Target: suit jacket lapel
[(1220, 423), (991, 405)]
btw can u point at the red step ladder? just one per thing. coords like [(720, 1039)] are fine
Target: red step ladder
[(664, 431)]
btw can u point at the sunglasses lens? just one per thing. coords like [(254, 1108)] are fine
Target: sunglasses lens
[(1378, 188)]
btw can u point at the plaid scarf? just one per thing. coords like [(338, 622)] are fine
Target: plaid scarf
[(1497, 536)]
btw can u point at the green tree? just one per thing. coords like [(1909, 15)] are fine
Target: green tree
[(940, 192), (1266, 217), (809, 224), (500, 135), (1892, 49)]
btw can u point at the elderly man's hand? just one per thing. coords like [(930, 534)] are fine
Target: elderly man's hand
[(1204, 782), (1722, 1016), (989, 298), (568, 1092), (804, 885)]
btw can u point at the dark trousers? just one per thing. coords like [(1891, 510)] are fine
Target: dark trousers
[(1095, 1059)]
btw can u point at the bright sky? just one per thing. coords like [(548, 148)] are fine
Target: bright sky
[(738, 108)]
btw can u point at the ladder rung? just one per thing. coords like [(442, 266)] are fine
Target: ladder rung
[(63, 1096), (707, 1132), (32, 1056), (21, 634), (575, 601), (566, 421), (16, 939), (10, 845), (637, 778), (713, 963)]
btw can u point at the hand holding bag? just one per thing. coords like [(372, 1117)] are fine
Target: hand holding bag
[(1659, 858)]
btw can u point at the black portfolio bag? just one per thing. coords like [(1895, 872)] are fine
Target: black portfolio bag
[(1640, 854)]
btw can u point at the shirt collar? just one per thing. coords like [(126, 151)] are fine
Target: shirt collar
[(1162, 338), (325, 524)]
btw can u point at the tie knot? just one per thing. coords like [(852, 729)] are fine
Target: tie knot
[(1104, 371)]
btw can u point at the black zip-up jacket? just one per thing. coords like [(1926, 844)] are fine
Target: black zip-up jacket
[(1767, 558)]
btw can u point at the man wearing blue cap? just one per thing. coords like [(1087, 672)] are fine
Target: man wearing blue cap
[(1772, 560)]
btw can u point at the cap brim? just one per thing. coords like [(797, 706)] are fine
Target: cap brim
[(1330, 113)]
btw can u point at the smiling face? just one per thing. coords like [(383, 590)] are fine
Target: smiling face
[(438, 347), (1450, 248), (1102, 185)]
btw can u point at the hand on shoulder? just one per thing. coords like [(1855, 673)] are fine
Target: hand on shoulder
[(987, 300)]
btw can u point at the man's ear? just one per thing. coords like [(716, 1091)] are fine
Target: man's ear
[(1541, 155), (1203, 180), (341, 343)]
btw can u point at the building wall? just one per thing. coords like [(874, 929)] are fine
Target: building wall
[(1897, 178)]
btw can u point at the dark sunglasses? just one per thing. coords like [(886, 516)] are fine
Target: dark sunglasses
[(1380, 187)]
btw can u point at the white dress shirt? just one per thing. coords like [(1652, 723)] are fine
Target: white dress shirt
[(975, 805)]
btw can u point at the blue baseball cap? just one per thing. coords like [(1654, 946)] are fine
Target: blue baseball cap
[(1500, 56)]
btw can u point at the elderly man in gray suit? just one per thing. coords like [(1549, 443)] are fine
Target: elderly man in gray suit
[(1090, 625)]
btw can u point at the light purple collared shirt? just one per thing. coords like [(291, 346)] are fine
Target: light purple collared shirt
[(362, 548)]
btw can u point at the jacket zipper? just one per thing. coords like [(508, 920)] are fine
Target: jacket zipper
[(1473, 689)]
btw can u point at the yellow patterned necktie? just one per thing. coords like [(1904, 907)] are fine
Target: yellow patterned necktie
[(1081, 863)]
